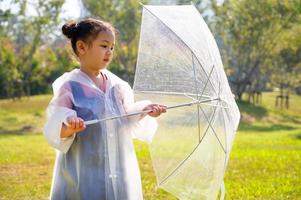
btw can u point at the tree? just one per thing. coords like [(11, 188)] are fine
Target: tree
[(27, 33), (9, 75), (287, 73), (250, 31)]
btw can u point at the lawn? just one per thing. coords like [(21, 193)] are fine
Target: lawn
[(265, 161)]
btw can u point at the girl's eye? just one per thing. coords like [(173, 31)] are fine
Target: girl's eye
[(106, 46)]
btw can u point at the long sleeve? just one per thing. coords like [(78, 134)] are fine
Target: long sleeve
[(57, 112), (143, 128)]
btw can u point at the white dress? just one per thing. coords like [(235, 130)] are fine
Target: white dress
[(99, 162)]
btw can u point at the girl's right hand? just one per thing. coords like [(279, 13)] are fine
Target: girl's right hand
[(75, 124)]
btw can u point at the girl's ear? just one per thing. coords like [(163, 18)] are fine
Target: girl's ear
[(81, 47)]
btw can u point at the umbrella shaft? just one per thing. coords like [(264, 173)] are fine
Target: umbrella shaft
[(191, 103), (147, 111)]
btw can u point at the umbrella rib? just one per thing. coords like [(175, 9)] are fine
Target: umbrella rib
[(226, 146), (209, 121), (216, 104), (182, 162), (207, 80), (219, 92), (181, 41), (202, 95), (179, 165), (197, 89), (212, 127), (209, 30)]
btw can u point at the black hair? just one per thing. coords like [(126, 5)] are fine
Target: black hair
[(85, 30)]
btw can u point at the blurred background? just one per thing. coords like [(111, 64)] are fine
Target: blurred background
[(260, 45)]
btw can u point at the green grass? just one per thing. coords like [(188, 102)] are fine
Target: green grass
[(265, 161)]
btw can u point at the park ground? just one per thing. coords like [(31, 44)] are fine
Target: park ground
[(265, 162)]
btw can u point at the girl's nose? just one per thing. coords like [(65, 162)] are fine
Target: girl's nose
[(109, 51)]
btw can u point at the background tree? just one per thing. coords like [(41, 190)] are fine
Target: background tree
[(256, 39), (27, 33), (249, 32), (286, 74), (9, 75)]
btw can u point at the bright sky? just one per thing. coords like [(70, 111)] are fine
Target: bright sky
[(70, 9)]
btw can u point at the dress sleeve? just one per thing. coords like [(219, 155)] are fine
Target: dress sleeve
[(57, 111), (143, 128)]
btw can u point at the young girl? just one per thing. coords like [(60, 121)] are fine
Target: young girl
[(95, 161)]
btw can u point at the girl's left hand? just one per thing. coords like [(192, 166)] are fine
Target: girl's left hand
[(156, 109)]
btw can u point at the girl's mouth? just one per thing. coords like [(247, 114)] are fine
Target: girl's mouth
[(106, 60)]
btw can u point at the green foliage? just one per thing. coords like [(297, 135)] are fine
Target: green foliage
[(30, 65), (9, 75), (25, 34), (252, 34), (287, 70), (53, 63)]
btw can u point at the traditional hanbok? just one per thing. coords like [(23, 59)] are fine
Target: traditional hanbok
[(99, 162)]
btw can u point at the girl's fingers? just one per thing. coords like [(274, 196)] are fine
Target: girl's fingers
[(69, 121), (72, 124), (76, 123), (155, 109), (81, 123), (161, 109)]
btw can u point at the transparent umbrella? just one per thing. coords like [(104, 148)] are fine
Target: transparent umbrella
[(179, 65)]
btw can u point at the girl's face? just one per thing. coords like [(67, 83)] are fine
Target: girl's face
[(99, 53)]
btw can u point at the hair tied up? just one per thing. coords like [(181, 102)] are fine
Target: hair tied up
[(69, 29), (85, 30)]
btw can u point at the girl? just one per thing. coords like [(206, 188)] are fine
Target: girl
[(96, 161)]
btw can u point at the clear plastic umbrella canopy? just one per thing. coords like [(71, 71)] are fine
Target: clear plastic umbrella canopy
[(179, 65)]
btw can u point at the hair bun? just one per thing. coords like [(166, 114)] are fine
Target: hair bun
[(69, 29)]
